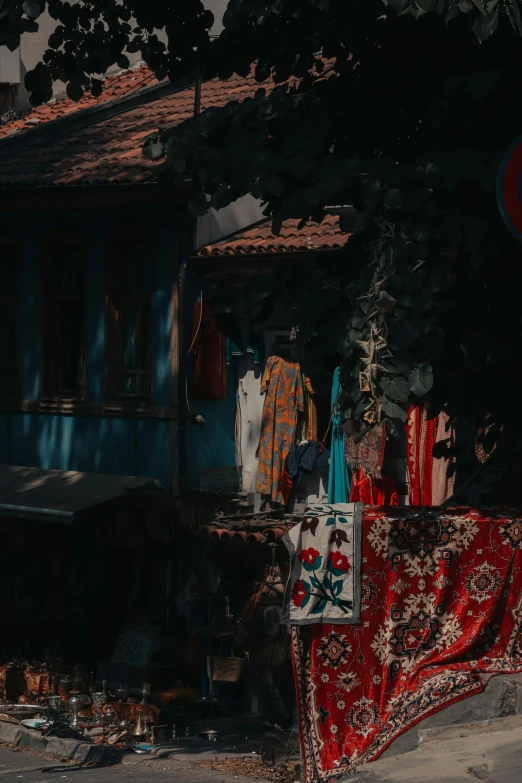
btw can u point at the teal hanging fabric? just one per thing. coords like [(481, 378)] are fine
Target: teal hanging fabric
[(339, 482)]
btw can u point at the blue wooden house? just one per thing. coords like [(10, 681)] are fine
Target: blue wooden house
[(103, 453), (93, 255)]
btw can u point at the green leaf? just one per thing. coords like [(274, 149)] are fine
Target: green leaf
[(272, 185), (421, 379), (399, 6), (198, 206), (315, 583), (393, 410), (32, 9), (396, 388), (319, 607), (153, 149), (385, 302), (337, 587), (358, 321), (74, 91), (396, 365), (403, 337), (327, 581), (394, 199)]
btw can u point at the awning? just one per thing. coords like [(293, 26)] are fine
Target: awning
[(58, 495)]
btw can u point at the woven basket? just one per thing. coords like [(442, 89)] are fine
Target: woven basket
[(226, 669)]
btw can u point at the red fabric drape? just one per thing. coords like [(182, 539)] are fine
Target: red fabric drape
[(208, 344), (421, 436), (441, 613), (373, 492)]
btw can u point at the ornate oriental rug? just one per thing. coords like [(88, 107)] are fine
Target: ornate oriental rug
[(441, 614)]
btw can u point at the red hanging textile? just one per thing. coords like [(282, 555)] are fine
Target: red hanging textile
[(421, 435), (209, 379), (379, 492)]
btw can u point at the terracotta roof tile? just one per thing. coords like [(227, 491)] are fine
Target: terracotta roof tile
[(260, 239), (110, 149)]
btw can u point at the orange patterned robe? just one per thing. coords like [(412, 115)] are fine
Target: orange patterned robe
[(283, 387)]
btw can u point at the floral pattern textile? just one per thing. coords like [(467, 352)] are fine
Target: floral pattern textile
[(441, 614), (421, 434), (325, 582), (282, 385), (443, 476)]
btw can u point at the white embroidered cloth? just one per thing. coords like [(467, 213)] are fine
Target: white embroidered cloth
[(325, 580)]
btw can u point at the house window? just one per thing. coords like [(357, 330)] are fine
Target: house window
[(64, 289), (9, 366), (130, 309)]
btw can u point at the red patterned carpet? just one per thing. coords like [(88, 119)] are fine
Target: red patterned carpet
[(442, 613)]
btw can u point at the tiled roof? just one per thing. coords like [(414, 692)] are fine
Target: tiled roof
[(107, 149), (260, 239), (116, 86)]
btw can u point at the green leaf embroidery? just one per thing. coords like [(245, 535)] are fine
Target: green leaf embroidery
[(319, 607)]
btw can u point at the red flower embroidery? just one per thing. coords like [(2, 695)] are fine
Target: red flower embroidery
[(309, 556), (300, 592), (339, 562)]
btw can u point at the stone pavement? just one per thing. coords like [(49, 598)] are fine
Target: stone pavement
[(20, 766), (487, 752), (481, 752)]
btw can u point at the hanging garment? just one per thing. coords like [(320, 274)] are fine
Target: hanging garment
[(209, 379), (442, 484), (368, 453), (311, 411), (305, 458), (421, 434), (302, 460), (338, 483), (373, 492), (283, 388)]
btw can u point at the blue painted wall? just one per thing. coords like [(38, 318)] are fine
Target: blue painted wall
[(104, 444)]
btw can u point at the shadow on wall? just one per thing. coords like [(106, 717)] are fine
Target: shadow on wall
[(212, 444), (129, 447)]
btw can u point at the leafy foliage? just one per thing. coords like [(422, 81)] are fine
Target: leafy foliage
[(173, 38), (405, 114)]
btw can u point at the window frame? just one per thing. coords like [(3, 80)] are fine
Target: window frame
[(114, 370), (51, 366), (11, 301)]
